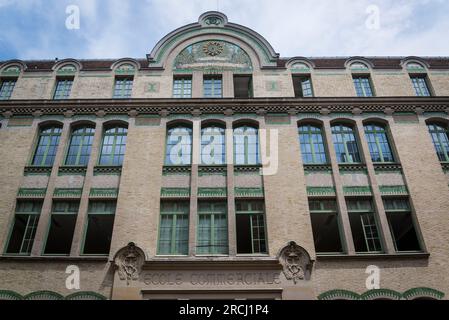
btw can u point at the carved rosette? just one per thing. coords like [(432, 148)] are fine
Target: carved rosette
[(129, 261), (296, 262)]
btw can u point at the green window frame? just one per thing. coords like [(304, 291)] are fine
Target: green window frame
[(402, 225), (6, 88), (212, 228), (440, 138), (123, 87), (182, 87), (114, 146), (47, 146), (80, 146), (363, 86), (63, 88), (178, 148), (62, 223), (303, 86), (246, 145), (23, 231), (421, 85), (364, 226), (99, 226), (378, 143), (325, 226), (311, 140), (174, 228), (213, 146), (213, 87), (252, 214), (345, 143)]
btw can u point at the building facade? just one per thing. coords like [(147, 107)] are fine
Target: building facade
[(214, 168)]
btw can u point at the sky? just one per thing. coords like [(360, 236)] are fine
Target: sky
[(36, 29)]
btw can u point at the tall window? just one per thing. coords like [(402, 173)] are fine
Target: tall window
[(401, 224), (345, 144), (63, 89), (420, 85), (312, 144), (24, 229), (80, 146), (62, 227), (363, 86), (114, 146), (123, 88), (363, 226), (302, 86), (251, 233), (174, 228), (6, 88), (379, 146), (325, 225), (246, 145), (182, 87), (47, 146), (212, 228), (100, 222), (213, 87), (440, 137), (213, 145), (179, 146)]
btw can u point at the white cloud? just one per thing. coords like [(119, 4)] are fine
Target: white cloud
[(114, 28)]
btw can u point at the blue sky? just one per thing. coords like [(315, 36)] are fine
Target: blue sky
[(35, 29)]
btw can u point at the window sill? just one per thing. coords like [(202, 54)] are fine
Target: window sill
[(44, 170), (44, 258), (75, 170), (107, 170), (375, 256)]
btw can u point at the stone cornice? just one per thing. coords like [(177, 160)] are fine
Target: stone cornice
[(214, 106)]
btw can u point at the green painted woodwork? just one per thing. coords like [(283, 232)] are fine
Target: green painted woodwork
[(212, 192), (67, 192), (37, 171), (321, 191), (357, 191), (10, 295), (32, 192), (44, 295), (104, 193), (339, 295), (393, 190), (423, 292), (85, 295), (50, 295), (249, 192), (175, 192), (382, 294)]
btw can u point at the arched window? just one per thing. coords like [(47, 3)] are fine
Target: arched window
[(47, 146), (312, 144), (80, 146), (379, 146), (345, 144), (114, 146), (440, 139), (246, 145), (213, 145), (179, 146)]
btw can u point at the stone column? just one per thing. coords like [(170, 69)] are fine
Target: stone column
[(228, 84), (44, 218), (84, 203), (230, 186), (193, 217), (341, 201), (384, 229), (197, 84)]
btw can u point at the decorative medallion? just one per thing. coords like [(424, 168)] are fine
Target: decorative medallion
[(215, 21), (213, 48), (129, 261), (296, 262)]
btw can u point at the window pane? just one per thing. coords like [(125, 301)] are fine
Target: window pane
[(179, 146), (47, 146), (345, 144), (114, 146), (378, 144), (213, 146), (174, 228), (312, 145), (246, 146), (6, 88), (251, 233)]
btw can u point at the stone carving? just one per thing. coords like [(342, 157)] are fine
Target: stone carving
[(296, 262), (215, 21), (129, 261), (213, 48), (213, 54)]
